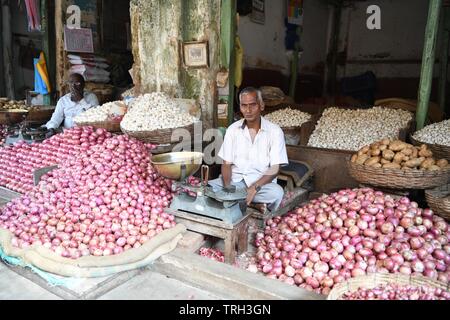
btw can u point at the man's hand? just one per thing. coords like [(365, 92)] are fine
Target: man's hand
[(251, 193), (50, 133)]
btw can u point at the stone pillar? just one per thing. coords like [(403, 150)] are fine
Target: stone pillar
[(158, 28)]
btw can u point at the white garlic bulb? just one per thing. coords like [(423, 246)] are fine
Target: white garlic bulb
[(347, 129)]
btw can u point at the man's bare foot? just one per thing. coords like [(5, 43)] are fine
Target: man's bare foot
[(261, 207)]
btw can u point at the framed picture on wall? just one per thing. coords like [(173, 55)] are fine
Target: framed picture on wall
[(258, 11), (196, 54)]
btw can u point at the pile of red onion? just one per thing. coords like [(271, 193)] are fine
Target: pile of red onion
[(105, 200), (213, 254), (353, 233), (3, 133), (18, 162), (397, 292)]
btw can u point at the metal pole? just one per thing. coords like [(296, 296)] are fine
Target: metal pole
[(45, 43), (7, 49), (294, 65), (429, 52), (444, 57)]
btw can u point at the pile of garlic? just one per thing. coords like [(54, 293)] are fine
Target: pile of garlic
[(288, 117), (346, 129), (98, 114), (436, 133), (154, 111)]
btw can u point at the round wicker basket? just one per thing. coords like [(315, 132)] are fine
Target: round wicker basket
[(373, 280), (161, 136), (398, 179), (439, 200), (111, 126), (439, 151)]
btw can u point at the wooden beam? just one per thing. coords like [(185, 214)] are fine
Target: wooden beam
[(429, 52), (445, 36), (7, 49), (333, 53), (60, 5)]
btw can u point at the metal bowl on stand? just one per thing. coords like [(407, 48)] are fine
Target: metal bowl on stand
[(177, 165)]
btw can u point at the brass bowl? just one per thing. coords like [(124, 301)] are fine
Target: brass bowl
[(177, 165)]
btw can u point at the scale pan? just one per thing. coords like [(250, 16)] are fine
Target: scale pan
[(177, 165)]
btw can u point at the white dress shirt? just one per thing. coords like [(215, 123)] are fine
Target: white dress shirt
[(251, 160), (66, 110)]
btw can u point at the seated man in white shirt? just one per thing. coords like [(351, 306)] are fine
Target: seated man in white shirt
[(72, 104), (252, 153)]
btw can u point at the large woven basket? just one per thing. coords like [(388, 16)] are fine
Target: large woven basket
[(439, 151), (10, 118), (439, 200), (111, 126), (41, 114), (398, 179), (373, 280), (162, 136)]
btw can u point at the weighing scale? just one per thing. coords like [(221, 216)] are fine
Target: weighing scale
[(227, 205), (25, 132)]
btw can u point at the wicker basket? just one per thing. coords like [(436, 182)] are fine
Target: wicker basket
[(373, 280), (11, 118), (439, 200), (439, 151), (111, 126), (398, 179), (40, 115), (162, 136)]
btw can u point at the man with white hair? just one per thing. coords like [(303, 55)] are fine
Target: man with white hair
[(253, 151)]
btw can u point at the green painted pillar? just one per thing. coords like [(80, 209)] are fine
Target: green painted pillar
[(428, 59), (228, 55), (445, 36)]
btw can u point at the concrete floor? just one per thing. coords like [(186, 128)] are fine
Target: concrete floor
[(146, 285)]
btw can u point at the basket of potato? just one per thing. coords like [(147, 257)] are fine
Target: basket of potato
[(396, 164), (439, 200)]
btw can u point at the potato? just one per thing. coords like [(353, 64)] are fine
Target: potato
[(407, 151), (377, 165), (383, 147), (442, 163), (415, 153), (392, 166), (398, 158), (425, 153), (414, 163), (427, 163), (434, 168), (388, 154), (406, 158), (385, 142), (384, 161), (362, 158), (375, 152), (372, 161), (397, 145), (354, 157), (363, 151)]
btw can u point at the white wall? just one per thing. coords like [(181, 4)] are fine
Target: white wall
[(401, 38), (264, 44)]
